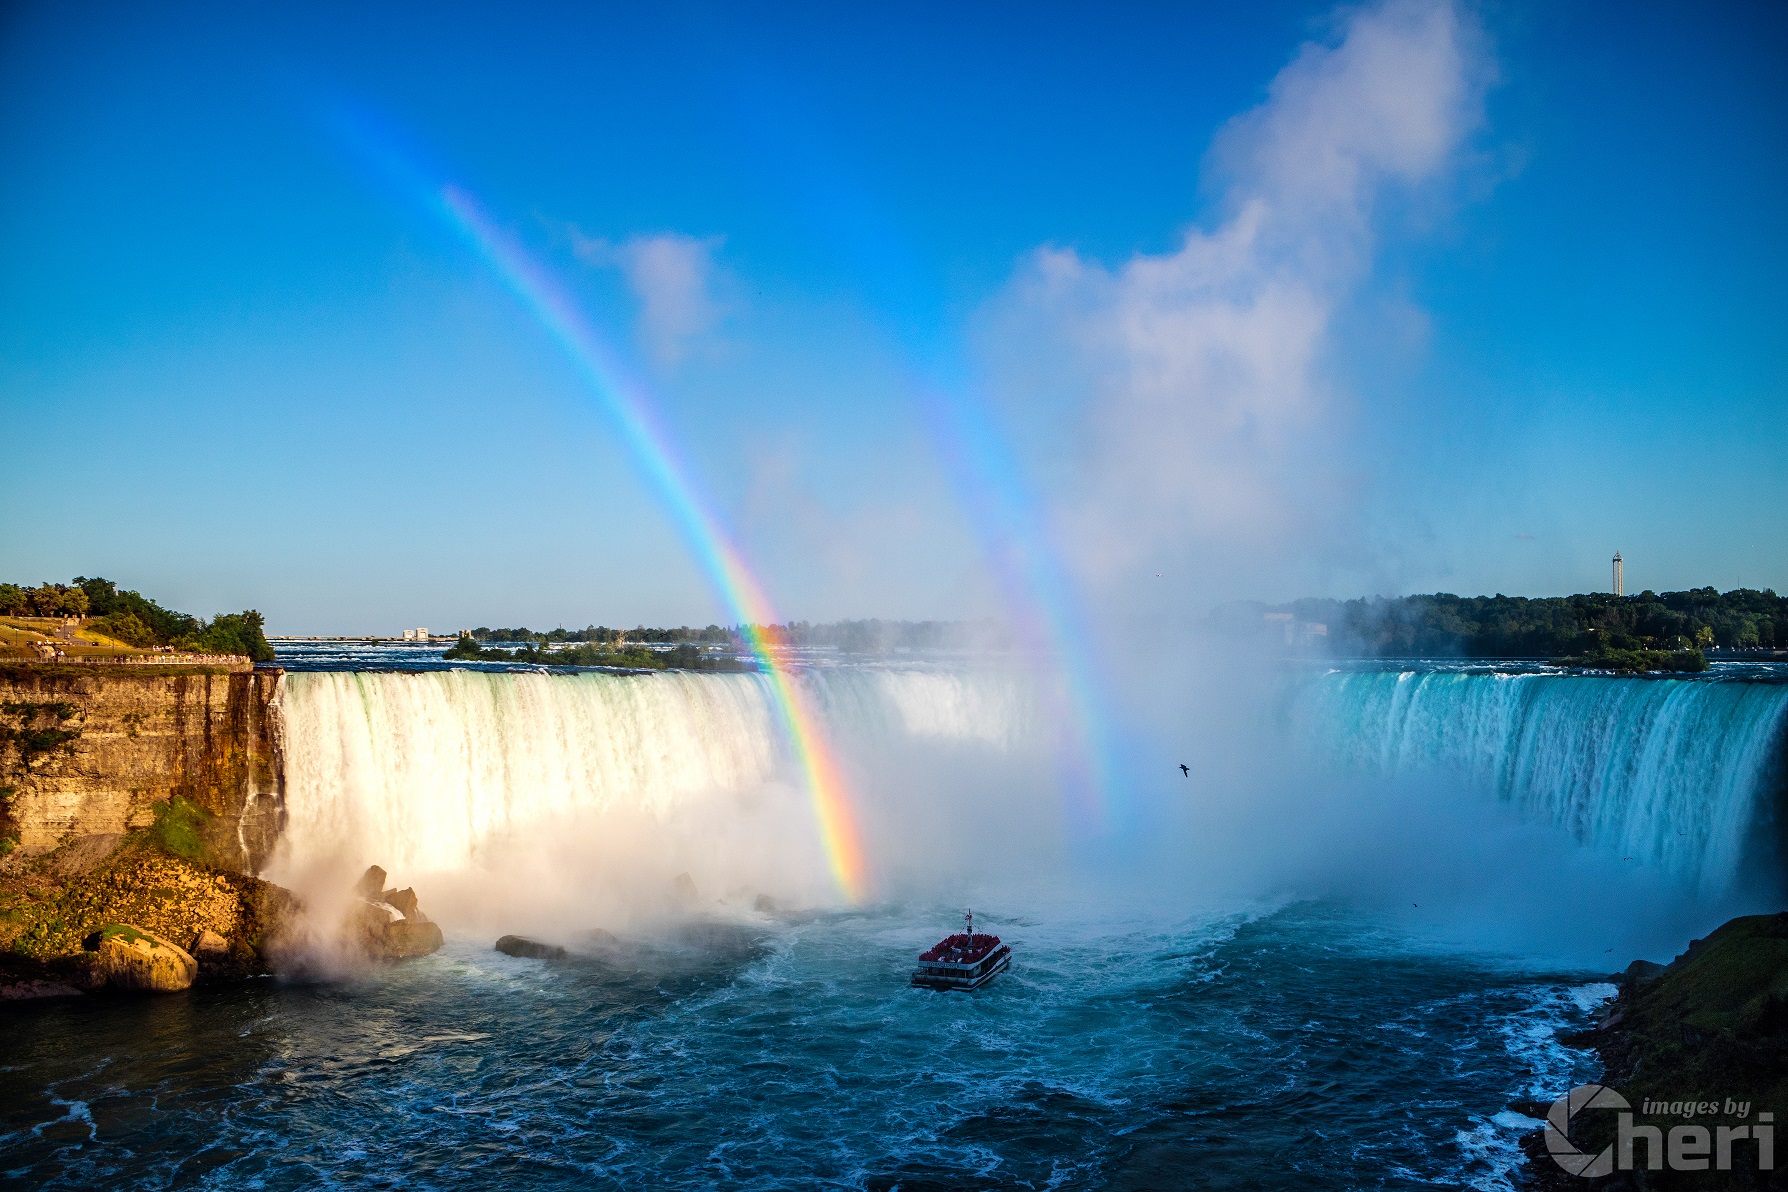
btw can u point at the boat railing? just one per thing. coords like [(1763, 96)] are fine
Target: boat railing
[(954, 967)]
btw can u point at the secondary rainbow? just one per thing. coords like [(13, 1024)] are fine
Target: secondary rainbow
[(651, 448), (1037, 592)]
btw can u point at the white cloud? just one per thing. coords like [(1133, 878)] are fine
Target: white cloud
[(675, 279), (1197, 379)]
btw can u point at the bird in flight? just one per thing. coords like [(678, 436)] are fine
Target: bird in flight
[(1185, 769)]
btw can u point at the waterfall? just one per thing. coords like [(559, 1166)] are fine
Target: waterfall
[(1674, 773), (439, 772)]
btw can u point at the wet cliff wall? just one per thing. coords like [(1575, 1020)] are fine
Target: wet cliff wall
[(94, 752)]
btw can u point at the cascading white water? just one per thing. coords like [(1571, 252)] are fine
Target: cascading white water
[(1673, 773), (455, 772)]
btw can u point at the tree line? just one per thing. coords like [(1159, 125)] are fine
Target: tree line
[(851, 637), (686, 655), (138, 621), (1568, 627)]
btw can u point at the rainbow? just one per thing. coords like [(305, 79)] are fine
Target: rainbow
[(1039, 597), (651, 448)]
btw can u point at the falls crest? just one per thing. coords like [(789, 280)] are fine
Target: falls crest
[(452, 771), (1678, 774)]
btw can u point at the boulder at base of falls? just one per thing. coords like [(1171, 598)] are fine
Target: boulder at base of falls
[(389, 924), (522, 947), (208, 946), (371, 883), (19, 991), (409, 937), (598, 941), (128, 957), (404, 901)]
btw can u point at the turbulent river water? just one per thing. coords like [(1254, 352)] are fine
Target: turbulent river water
[(1257, 1040)]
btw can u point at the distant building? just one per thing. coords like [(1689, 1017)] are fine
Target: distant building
[(415, 635), (1617, 578)]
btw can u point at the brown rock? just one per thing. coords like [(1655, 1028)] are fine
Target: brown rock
[(26, 990), (208, 945), (406, 938), (370, 884), (521, 947), (131, 958), (405, 902), (365, 926), (143, 735), (371, 927)]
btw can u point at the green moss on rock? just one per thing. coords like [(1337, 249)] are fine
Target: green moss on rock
[(179, 828), (54, 919)]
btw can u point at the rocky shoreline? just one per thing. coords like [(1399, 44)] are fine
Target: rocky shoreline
[(56, 911), (127, 913), (1698, 1051)]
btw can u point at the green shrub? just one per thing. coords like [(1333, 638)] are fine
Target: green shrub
[(126, 627), (32, 742), (179, 828), (1635, 662)]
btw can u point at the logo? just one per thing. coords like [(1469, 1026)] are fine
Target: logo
[(1558, 1129), (1688, 1147)]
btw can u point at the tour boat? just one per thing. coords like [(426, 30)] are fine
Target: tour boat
[(962, 961)]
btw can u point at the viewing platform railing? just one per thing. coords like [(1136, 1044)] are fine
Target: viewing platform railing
[(233, 662)]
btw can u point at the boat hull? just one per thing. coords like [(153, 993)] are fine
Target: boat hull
[(941, 977)]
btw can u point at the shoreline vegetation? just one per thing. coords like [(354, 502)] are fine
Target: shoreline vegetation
[(682, 656), (1647, 632), (714, 648), (93, 618), (869, 636)]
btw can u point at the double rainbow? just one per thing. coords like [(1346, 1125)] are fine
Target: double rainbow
[(651, 448), (1038, 594)]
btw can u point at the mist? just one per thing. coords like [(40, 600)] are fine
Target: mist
[(1195, 446)]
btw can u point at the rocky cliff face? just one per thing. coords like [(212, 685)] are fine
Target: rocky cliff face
[(137, 804), (92, 752)]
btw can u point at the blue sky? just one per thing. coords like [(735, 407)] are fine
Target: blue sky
[(243, 364)]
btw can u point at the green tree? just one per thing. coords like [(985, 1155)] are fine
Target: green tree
[(127, 628), (231, 633)]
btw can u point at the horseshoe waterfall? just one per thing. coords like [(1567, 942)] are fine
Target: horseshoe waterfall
[(1682, 774)]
